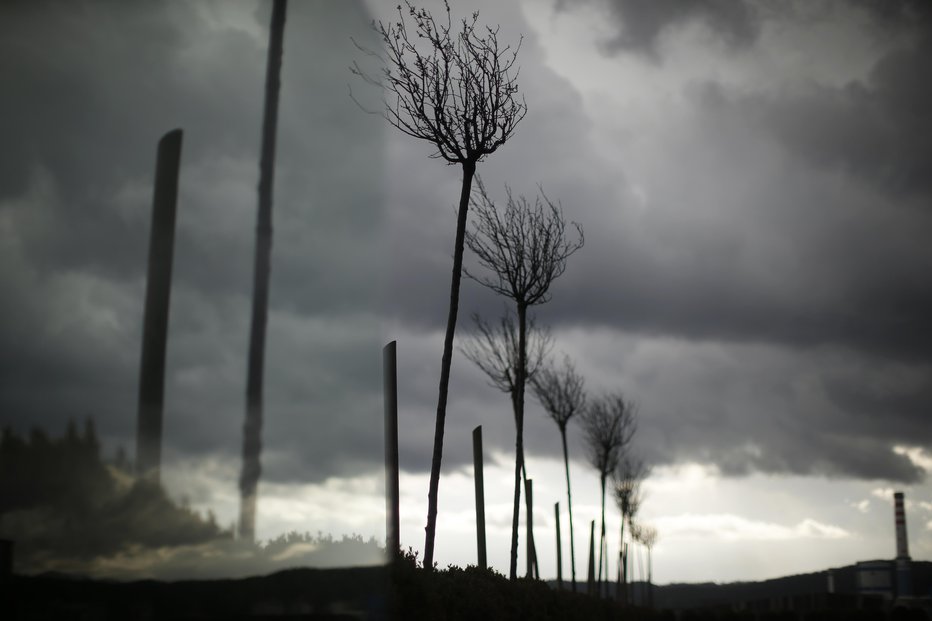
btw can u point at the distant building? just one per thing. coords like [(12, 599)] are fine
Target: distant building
[(875, 578)]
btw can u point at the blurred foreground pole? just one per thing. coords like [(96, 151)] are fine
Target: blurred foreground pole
[(262, 266), (556, 514), (155, 314), (390, 392), (591, 577), (480, 494)]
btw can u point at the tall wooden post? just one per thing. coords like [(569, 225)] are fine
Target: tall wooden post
[(556, 514), (591, 577), (480, 495), (392, 501), (529, 500), (155, 315)]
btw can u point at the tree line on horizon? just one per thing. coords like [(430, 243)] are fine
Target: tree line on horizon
[(69, 509)]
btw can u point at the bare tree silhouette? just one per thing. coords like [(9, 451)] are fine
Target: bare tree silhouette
[(627, 487), (252, 428), (456, 89), (495, 349), (647, 536), (609, 422), (562, 394), (525, 249)]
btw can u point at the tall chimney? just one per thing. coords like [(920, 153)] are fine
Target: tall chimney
[(155, 313), (902, 545), (904, 583)]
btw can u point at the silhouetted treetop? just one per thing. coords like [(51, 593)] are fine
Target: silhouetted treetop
[(524, 246), (609, 424), (629, 474), (455, 89), (495, 350), (561, 391)]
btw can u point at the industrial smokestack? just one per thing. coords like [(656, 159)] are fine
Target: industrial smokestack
[(904, 582), (155, 314), (899, 513)]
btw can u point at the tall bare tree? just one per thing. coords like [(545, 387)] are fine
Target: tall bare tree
[(524, 248), (495, 350), (562, 393), (456, 89), (252, 428), (609, 422), (627, 487)]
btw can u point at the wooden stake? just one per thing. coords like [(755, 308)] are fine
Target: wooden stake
[(392, 501), (556, 514), (591, 577), (480, 495)]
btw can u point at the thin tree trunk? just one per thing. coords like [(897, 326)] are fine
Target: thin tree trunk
[(532, 547), (602, 535), (556, 515), (529, 524), (640, 559), (513, 563), (650, 579), (590, 580), (252, 428), (480, 495), (469, 170), (620, 592), (390, 396), (569, 505), (518, 400)]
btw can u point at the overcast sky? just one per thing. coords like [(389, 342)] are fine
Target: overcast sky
[(754, 180)]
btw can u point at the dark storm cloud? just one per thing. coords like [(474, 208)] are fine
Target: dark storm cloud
[(640, 23), (762, 408), (878, 131), (823, 243), (789, 217), (95, 88)]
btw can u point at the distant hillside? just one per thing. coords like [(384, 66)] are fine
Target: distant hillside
[(682, 596)]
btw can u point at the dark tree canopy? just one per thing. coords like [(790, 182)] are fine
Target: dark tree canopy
[(524, 246), (561, 391), (644, 534), (456, 89), (609, 424), (494, 348), (627, 486)]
